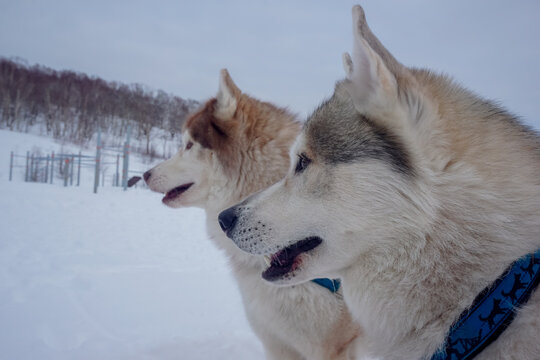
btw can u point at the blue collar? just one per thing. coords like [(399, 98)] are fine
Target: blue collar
[(332, 285), (492, 311)]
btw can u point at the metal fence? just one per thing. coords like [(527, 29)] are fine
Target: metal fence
[(38, 168)]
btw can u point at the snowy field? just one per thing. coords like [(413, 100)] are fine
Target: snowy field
[(113, 275)]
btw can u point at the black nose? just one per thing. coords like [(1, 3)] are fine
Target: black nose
[(147, 175), (227, 219)]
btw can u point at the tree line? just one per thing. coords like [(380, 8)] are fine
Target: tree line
[(73, 106)]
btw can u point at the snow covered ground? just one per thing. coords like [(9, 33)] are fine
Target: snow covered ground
[(113, 275)]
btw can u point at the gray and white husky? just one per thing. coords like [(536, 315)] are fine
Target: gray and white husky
[(413, 190)]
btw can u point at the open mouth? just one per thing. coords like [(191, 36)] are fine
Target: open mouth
[(177, 191), (287, 260)]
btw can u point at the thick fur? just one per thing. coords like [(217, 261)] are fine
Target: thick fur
[(422, 192), (234, 146)]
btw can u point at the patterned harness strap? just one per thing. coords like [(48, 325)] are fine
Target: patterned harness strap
[(492, 311)]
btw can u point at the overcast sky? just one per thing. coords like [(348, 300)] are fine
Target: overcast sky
[(287, 52)]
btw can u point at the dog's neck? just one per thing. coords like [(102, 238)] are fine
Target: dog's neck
[(407, 303)]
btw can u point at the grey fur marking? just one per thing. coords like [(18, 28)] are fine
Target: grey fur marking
[(350, 136)]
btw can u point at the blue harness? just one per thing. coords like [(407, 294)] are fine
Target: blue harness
[(332, 285), (492, 311)]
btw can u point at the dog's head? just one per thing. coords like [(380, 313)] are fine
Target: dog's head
[(352, 187), (233, 146)]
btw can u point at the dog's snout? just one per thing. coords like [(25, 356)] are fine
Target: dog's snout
[(147, 175), (227, 219)]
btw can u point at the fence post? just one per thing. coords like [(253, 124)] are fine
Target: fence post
[(125, 166), (36, 168), (125, 170), (116, 181), (71, 170), (66, 169), (11, 166), (79, 170), (32, 167), (36, 172), (52, 167), (98, 155), (26, 171), (47, 170)]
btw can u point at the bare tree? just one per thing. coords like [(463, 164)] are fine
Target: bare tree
[(73, 106)]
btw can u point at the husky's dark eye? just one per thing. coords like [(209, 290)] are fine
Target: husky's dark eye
[(189, 145), (302, 164)]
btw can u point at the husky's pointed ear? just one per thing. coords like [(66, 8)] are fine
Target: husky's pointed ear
[(361, 29), (227, 96), (372, 71)]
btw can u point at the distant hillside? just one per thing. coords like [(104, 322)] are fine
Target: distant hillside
[(72, 106)]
